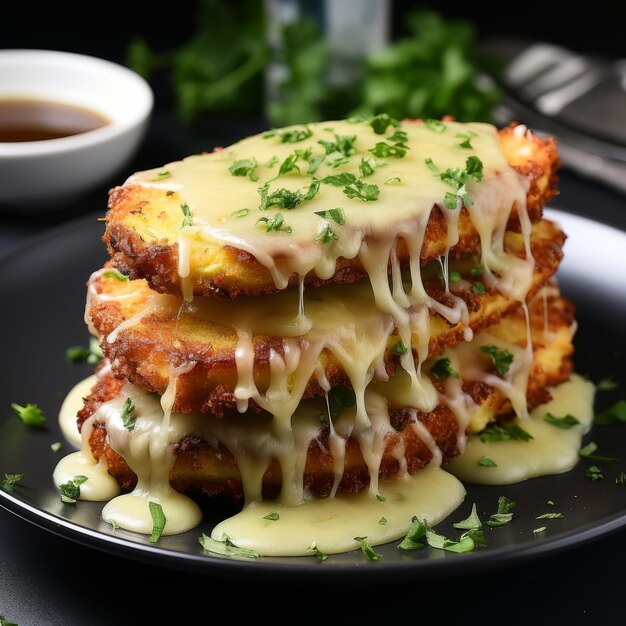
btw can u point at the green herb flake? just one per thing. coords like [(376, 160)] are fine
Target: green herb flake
[(566, 422), (383, 150), (550, 503), (504, 432), (381, 498), (293, 135), (273, 516), (415, 534), (128, 409), (504, 514), (550, 516), (343, 145), (395, 180), (368, 165), (501, 359), (187, 217), (115, 275), (340, 398), (6, 622), (81, 354), (337, 215), (163, 174), (613, 415), (273, 161), (276, 224), (594, 473), (362, 191), (485, 461), (339, 180), (367, 549), (400, 347), (381, 122), (621, 479), (319, 555), (607, 384), (437, 126), (158, 521), (541, 529), (226, 548), (10, 480), (382, 521), (479, 289), (467, 138), (587, 452), (327, 235), (442, 369), (458, 179), (56, 446), (240, 213), (286, 198), (70, 491), (472, 522), (245, 167), (31, 414)]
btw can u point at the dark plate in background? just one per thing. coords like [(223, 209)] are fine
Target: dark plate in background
[(43, 296)]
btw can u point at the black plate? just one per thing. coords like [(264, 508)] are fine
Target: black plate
[(43, 298)]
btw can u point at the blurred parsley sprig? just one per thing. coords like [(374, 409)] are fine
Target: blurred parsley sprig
[(435, 70)]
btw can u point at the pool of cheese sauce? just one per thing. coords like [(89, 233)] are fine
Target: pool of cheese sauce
[(332, 524)]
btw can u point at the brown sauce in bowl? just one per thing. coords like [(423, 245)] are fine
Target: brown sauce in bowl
[(23, 119)]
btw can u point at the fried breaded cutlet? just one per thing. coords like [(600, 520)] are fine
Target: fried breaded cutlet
[(204, 462), (144, 218), (145, 334)]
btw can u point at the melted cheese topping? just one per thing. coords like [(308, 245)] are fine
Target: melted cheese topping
[(355, 323)]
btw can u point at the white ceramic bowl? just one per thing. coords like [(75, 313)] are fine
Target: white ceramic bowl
[(35, 175)]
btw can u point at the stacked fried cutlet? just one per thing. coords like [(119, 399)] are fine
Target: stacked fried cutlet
[(319, 309)]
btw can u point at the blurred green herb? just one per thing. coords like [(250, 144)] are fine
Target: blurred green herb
[(435, 69)]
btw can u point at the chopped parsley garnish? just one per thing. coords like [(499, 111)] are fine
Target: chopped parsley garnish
[(473, 521), (240, 213), (276, 224), (551, 516), (479, 289), (485, 461), (10, 480), (79, 354), (286, 198), (273, 516), (327, 235), (245, 167), (395, 180), (226, 548), (587, 452), (30, 414), (607, 384), (541, 529), (161, 175), (337, 215), (467, 138), (70, 491), (289, 164), (437, 126), (158, 521), (187, 217), (382, 521), (343, 145), (613, 415), (400, 347), (126, 415), (458, 179), (501, 359), (340, 398), (381, 122), (362, 191), (419, 530), (319, 555), (504, 432), (115, 275), (442, 369), (368, 165), (594, 473), (383, 150), (566, 422), (293, 135), (381, 498), (367, 549), (621, 479), (339, 180), (56, 446), (504, 514)]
